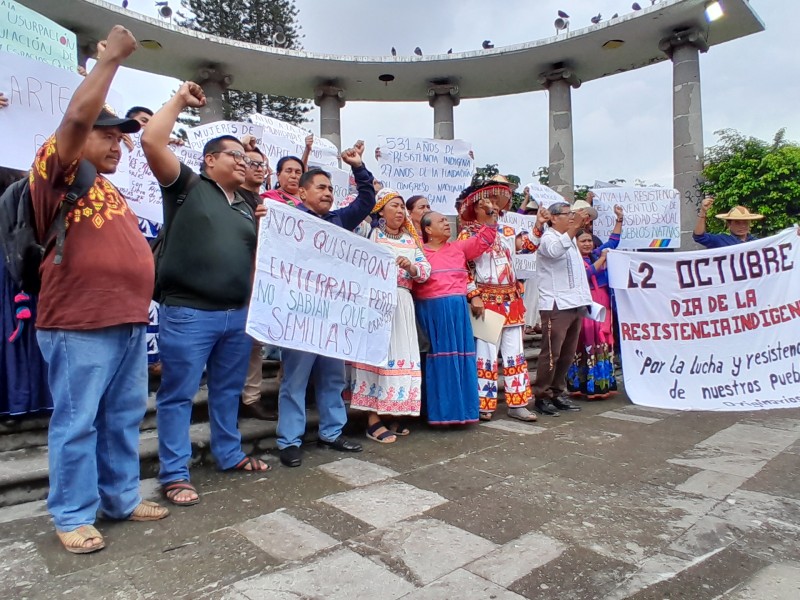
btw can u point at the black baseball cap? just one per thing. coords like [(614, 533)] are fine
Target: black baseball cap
[(107, 118)]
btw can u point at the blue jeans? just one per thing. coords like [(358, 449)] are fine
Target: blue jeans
[(98, 380), (329, 383), (190, 339)]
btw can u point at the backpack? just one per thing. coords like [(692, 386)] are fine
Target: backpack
[(157, 243), (22, 252)]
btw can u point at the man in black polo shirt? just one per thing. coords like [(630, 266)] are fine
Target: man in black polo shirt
[(205, 275)]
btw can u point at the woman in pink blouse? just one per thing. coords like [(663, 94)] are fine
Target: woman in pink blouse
[(451, 374)]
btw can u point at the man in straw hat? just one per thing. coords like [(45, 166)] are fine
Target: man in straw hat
[(738, 220), (492, 286)]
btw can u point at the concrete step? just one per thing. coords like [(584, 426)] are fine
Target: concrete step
[(30, 433), (24, 473), (23, 444)]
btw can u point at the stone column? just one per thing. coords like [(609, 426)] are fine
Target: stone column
[(330, 100), (561, 167), (214, 83), (684, 48), (443, 97)]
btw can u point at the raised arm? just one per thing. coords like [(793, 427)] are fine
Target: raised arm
[(89, 98), (700, 224), (155, 140), (474, 246), (362, 206), (307, 150)]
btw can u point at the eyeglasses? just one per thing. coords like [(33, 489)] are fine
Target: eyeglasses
[(256, 164), (236, 155), (556, 214)]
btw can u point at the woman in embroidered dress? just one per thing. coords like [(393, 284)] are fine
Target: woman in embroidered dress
[(492, 285), (451, 376), (592, 372), (394, 390)]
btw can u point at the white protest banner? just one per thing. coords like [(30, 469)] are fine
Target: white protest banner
[(525, 265), (284, 139), (652, 216), (604, 184), (28, 34), (436, 169), (199, 135), (38, 94), (543, 195), (143, 192), (520, 223), (321, 289), (711, 329)]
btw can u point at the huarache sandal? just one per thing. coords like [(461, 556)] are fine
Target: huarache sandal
[(384, 437), (173, 489), (75, 541), (148, 511), (397, 428), (486, 416), (251, 464)]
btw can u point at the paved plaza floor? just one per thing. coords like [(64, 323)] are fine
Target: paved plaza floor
[(614, 502)]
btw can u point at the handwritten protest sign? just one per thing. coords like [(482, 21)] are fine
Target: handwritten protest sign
[(543, 195), (143, 192), (712, 329), (525, 265), (28, 34), (521, 223), (321, 289), (198, 136), (284, 139), (652, 216), (436, 169), (38, 95)]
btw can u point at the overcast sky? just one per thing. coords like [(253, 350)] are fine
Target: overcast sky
[(622, 125)]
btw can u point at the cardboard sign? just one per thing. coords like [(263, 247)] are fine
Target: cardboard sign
[(30, 35), (436, 169), (322, 289), (652, 216)]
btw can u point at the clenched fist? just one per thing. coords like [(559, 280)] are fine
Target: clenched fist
[(118, 46), (191, 94)]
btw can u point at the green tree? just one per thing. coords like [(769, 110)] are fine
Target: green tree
[(254, 21), (763, 176)]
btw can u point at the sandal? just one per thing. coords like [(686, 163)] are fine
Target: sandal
[(520, 413), (251, 464), (172, 489), (397, 428), (148, 511), (383, 437), (486, 416), (75, 541)]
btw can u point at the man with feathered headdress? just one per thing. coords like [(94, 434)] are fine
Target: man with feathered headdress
[(493, 286)]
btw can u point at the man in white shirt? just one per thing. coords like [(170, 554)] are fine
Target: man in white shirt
[(564, 298)]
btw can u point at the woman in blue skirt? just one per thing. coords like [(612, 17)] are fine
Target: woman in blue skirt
[(450, 369)]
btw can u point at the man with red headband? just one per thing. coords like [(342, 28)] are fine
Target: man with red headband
[(492, 286)]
